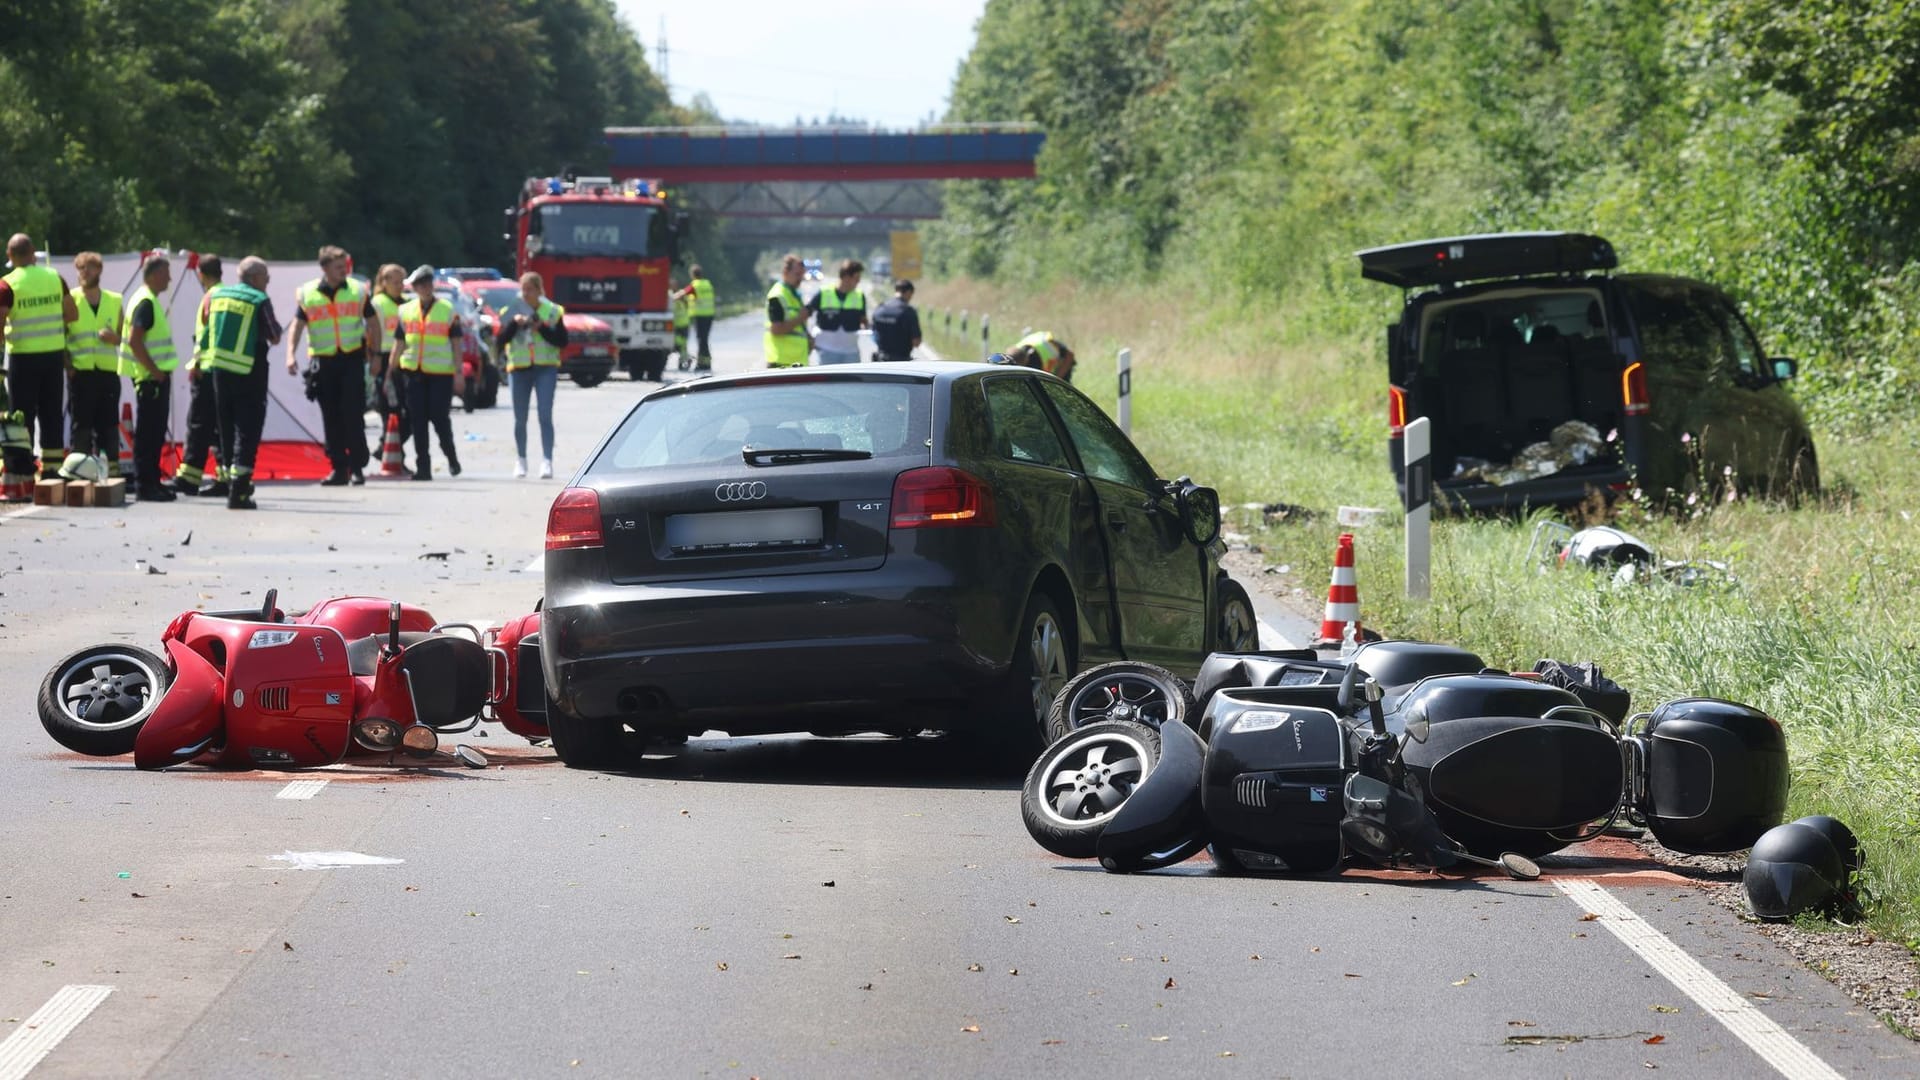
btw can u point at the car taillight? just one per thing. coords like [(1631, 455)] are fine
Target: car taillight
[(574, 520), (1633, 388), (939, 496), (1396, 411)]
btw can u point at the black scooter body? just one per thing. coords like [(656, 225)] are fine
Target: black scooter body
[(1515, 783), (1274, 774)]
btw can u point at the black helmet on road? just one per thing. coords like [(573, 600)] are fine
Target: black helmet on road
[(1798, 867)]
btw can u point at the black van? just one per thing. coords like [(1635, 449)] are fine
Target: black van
[(1506, 338)]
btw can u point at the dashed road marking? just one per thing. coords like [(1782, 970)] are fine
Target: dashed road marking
[(301, 789), (1788, 1055), (54, 1021)]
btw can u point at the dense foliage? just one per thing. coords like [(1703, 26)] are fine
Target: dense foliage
[(263, 125), (1243, 149)]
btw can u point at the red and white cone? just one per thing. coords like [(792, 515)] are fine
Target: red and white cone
[(391, 460), (1343, 598), (126, 441)]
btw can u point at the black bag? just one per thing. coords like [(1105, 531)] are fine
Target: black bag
[(1594, 689), (312, 378)]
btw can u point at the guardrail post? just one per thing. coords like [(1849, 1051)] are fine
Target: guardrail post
[(1125, 365), (963, 321), (1419, 505), (986, 347)]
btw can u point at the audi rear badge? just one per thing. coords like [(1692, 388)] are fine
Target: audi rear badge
[(741, 491)]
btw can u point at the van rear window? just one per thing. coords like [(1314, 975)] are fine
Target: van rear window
[(1511, 319)]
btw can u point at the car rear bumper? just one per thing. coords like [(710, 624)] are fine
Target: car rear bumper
[(1563, 489)]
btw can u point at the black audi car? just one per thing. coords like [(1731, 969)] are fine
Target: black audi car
[(894, 548)]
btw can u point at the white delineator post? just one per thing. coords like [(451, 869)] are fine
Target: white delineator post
[(1418, 445), (1125, 365)]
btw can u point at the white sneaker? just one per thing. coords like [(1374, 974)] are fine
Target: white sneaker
[(520, 469), (546, 469)]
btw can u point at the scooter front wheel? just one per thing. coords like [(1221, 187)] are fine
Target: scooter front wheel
[(94, 701), (1080, 782)]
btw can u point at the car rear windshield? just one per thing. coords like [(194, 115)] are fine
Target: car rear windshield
[(712, 424)]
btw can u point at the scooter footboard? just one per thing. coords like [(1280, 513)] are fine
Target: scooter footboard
[(1715, 775)]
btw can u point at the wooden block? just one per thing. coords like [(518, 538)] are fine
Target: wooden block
[(50, 493), (108, 493), (79, 493)]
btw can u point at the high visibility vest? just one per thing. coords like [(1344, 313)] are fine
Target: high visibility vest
[(389, 310), (335, 324), (528, 348), (233, 328), (1042, 343), (159, 339), (38, 321), (429, 347), (841, 313), (200, 348), (84, 346), (788, 349), (702, 296)]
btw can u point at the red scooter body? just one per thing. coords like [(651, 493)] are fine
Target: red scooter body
[(519, 704)]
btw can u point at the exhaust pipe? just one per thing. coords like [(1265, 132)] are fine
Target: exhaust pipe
[(635, 700)]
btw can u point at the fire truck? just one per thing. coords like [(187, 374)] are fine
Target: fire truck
[(606, 249)]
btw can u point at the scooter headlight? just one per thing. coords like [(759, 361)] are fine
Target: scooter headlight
[(267, 639), (420, 741), (376, 733)]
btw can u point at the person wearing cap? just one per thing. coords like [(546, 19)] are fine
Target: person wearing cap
[(241, 327), (785, 341), (700, 291), (1042, 350), (36, 358), (341, 324), (896, 325), (423, 354), (203, 416), (839, 314), (93, 389), (532, 340)]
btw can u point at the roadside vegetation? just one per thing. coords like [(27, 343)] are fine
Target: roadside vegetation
[(1211, 168)]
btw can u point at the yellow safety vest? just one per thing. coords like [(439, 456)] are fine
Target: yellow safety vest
[(429, 346), (335, 324), (201, 347), (1042, 343), (528, 348), (788, 349), (389, 310), (702, 296), (84, 346), (38, 321), (159, 339)]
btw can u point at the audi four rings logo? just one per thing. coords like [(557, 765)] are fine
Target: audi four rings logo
[(743, 491)]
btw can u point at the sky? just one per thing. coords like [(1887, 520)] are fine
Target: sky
[(890, 62)]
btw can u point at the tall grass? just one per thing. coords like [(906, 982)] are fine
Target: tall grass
[(1815, 626)]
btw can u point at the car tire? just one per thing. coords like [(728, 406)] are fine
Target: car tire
[(585, 743), (588, 379), (1125, 690), (1043, 662), (1077, 785), (1235, 627), (95, 701)]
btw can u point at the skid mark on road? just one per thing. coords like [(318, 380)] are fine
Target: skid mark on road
[(301, 789), (1788, 1055), (43, 1031)]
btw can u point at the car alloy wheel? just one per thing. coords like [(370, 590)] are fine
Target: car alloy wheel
[(1239, 628), (1047, 648)]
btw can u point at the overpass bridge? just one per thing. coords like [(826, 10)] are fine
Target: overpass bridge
[(820, 184)]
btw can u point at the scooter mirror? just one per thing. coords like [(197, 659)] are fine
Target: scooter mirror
[(471, 758), (1343, 700), (1417, 725), (1519, 867)]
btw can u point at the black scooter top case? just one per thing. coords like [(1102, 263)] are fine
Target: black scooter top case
[(1275, 770), (1716, 775), (1161, 822)]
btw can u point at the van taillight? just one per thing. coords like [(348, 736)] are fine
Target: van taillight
[(574, 520), (1633, 388), (939, 496), (1396, 411)]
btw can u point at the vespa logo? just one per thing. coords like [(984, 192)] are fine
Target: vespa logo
[(741, 491), (1299, 743)]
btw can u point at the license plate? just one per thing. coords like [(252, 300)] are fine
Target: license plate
[(744, 530)]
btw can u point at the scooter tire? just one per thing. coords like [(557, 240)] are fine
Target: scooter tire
[(1073, 766), (119, 685), (1122, 690)]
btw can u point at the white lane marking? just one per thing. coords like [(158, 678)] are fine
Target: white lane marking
[(1788, 1055), (1269, 637), (34, 509), (301, 789), (537, 566), (43, 1031)]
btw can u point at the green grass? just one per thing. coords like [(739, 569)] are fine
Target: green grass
[(1815, 628)]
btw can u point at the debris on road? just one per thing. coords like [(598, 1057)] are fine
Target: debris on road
[(332, 860)]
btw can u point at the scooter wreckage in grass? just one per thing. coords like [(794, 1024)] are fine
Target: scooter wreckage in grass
[(352, 677)]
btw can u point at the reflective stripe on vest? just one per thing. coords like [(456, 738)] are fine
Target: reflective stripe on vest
[(84, 346), (38, 321), (528, 348), (788, 349), (702, 296), (159, 339), (429, 347), (233, 328), (335, 324)]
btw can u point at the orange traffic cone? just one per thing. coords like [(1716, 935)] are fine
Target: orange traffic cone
[(124, 465), (391, 461), (1343, 598)]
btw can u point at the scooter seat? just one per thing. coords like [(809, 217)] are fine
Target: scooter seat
[(363, 654), (448, 678)]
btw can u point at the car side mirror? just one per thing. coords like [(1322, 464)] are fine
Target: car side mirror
[(1199, 510), (1784, 368)]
